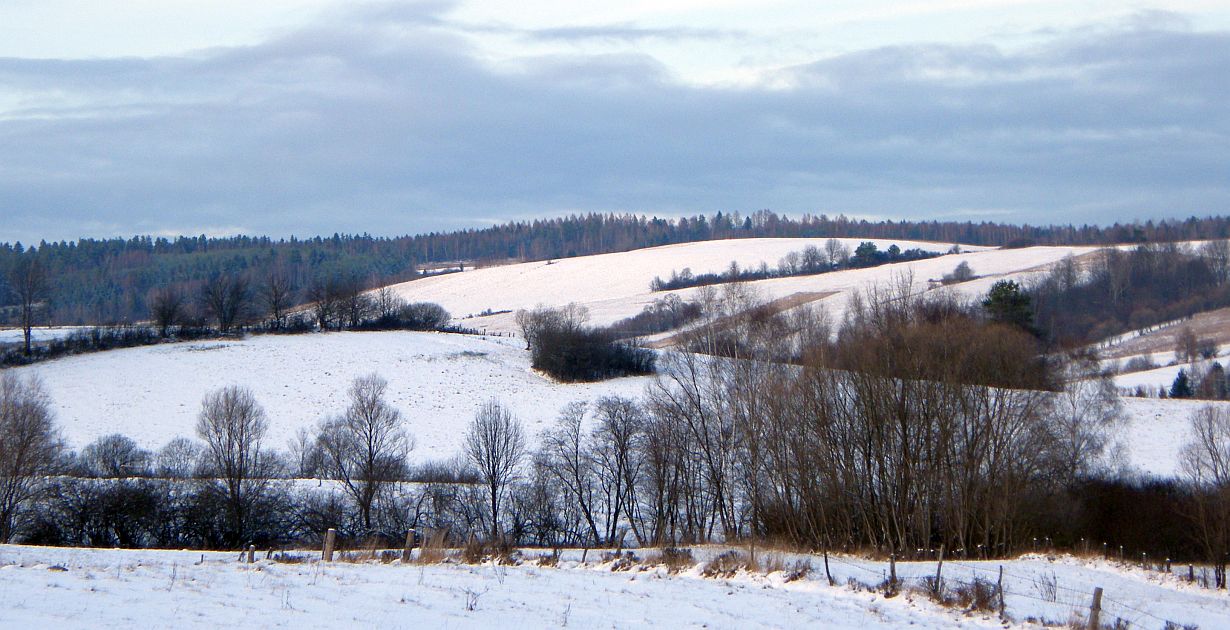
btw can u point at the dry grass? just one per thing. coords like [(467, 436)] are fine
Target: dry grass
[(673, 558), (624, 561), (432, 550), (727, 565)]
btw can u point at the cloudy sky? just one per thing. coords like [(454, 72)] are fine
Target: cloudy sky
[(311, 117)]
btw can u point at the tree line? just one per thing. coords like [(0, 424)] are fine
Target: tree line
[(108, 281), (234, 303), (806, 262)]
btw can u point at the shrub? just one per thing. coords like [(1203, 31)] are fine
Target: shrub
[(674, 559), (726, 565)]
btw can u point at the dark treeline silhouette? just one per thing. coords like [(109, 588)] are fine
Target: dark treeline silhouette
[(1123, 290), (94, 281), (363, 311), (809, 261)]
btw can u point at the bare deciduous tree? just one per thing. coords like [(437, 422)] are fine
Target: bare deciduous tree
[(279, 295), (495, 445), (179, 459), (233, 425), (226, 298), (1206, 461), (166, 306), (28, 283), (115, 456), (30, 448), (366, 446)]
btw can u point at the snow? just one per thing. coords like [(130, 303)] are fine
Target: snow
[(17, 335), (615, 286), (104, 588), (1154, 431), (152, 394)]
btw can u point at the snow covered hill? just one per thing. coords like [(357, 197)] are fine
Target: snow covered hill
[(614, 286), (153, 394)]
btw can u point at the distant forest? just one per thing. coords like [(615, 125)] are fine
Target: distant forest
[(100, 281)]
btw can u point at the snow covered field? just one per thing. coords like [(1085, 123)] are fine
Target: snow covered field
[(17, 335), (614, 286), (152, 394), (102, 588)]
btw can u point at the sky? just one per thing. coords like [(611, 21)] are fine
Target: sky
[(309, 117)]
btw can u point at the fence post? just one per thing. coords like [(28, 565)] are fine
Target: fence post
[(826, 566), (251, 554), (326, 554), (939, 567), (999, 586), (405, 552), (1095, 609)]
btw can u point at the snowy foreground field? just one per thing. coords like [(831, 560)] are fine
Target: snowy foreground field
[(99, 588)]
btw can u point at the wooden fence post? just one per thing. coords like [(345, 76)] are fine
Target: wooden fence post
[(892, 572), (251, 554), (326, 554), (405, 552), (939, 567), (999, 586), (826, 566), (1095, 610)]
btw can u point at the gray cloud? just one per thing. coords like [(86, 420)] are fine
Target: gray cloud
[(385, 123)]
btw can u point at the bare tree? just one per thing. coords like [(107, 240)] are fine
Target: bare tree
[(226, 298), (836, 252), (115, 456), (306, 459), (233, 425), (1186, 345), (166, 306), (617, 461), (568, 318), (1206, 461), (353, 301), (30, 448), (279, 295), (495, 445), (28, 283), (1217, 254), (387, 303), (323, 293), (566, 456), (366, 447), (179, 459), (1082, 417)]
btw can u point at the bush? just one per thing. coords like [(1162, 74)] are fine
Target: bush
[(726, 565), (674, 559), (587, 355)]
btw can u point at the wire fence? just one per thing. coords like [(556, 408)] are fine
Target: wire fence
[(1075, 603)]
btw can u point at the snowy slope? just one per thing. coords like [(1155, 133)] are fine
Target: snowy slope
[(152, 394), (101, 588), (1154, 431), (614, 286)]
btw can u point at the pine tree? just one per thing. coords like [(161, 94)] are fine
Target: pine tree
[(1182, 387)]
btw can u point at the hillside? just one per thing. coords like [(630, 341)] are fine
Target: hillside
[(437, 381), (614, 286)]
